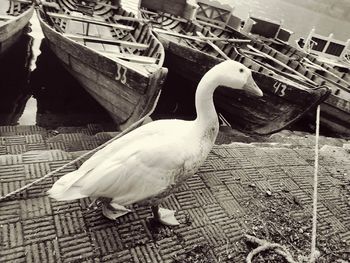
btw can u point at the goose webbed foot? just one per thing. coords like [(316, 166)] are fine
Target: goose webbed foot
[(164, 216), (112, 210)]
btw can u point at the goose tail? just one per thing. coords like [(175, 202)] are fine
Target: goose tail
[(65, 188)]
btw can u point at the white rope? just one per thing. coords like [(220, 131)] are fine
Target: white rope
[(130, 128), (265, 245), (314, 213)]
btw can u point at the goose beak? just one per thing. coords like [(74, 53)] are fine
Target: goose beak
[(251, 87)]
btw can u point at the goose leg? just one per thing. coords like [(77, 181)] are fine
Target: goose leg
[(164, 216), (112, 210)]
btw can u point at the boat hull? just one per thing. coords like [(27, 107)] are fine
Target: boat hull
[(125, 93), (11, 31), (335, 115), (335, 110), (283, 103)]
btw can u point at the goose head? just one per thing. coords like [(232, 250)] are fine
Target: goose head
[(235, 75), (230, 74)]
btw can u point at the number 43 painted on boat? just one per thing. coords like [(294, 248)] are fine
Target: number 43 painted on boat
[(280, 89)]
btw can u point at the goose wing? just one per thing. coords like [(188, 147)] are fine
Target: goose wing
[(141, 164), (135, 175)]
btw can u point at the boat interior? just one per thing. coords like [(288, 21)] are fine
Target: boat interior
[(108, 29), (306, 70), (11, 9), (194, 34)]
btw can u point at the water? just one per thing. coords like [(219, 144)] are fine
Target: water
[(36, 89)]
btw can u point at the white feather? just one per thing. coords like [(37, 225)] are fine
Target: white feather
[(149, 161)]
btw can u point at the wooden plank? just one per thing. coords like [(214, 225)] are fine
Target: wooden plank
[(215, 47), (111, 41), (309, 63), (90, 20), (130, 57), (201, 38), (212, 25), (6, 17), (22, 1), (147, 12), (109, 6), (283, 65), (129, 18)]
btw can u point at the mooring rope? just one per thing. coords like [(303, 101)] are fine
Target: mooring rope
[(313, 255), (130, 128), (264, 245)]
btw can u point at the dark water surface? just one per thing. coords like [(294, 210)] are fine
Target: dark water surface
[(36, 89), (47, 96), (14, 82)]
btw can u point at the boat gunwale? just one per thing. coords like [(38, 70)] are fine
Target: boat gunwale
[(18, 17), (134, 66), (144, 87), (317, 94), (268, 72)]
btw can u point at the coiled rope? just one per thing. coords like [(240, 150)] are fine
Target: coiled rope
[(130, 128)]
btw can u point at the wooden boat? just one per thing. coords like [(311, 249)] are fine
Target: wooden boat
[(192, 49), (328, 50), (268, 29), (335, 110), (295, 65), (14, 16), (273, 34), (115, 58), (63, 102)]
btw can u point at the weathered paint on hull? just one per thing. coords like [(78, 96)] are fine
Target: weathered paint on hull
[(11, 31), (335, 110), (278, 108), (335, 115), (127, 95)]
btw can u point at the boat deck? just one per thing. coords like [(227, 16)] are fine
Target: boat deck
[(263, 189), (78, 29), (3, 14)]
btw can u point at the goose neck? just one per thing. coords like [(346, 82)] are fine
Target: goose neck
[(205, 109)]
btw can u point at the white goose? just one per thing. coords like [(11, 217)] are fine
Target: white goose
[(147, 164)]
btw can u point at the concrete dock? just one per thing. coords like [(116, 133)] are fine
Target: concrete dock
[(259, 188)]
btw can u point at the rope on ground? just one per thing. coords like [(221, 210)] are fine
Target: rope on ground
[(130, 128), (265, 245), (314, 213), (281, 250)]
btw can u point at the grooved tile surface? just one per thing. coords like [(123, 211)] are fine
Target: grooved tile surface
[(213, 207)]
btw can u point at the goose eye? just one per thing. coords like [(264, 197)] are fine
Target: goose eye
[(241, 70)]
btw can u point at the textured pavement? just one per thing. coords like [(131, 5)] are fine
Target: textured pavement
[(214, 207)]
